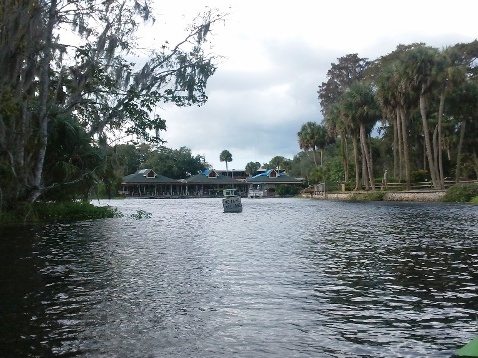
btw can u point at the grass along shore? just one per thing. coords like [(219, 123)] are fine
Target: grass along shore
[(459, 193)]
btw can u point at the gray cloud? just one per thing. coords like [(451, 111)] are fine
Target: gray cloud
[(266, 86)]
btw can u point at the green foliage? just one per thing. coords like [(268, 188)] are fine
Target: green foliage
[(141, 214), (316, 175), (69, 101), (252, 168), (286, 190), (278, 162), (313, 136), (419, 176), (129, 158), (461, 193), (72, 211), (64, 211), (349, 186), (225, 156), (301, 165), (369, 196), (334, 171), (72, 162), (174, 163)]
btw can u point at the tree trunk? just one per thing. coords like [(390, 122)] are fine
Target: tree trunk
[(401, 150), (36, 185), (365, 180), (314, 152), (440, 139), (366, 158), (475, 162), (396, 152), (357, 163), (458, 155), (345, 158), (428, 144), (370, 161), (406, 153)]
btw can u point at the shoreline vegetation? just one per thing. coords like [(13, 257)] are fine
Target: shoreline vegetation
[(458, 193), (46, 212)]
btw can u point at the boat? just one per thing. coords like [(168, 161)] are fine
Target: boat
[(231, 201)]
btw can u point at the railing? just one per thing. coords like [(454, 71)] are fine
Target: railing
[(413, 186), (321, 189)]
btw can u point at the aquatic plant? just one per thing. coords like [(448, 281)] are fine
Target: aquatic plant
[(140, 214)]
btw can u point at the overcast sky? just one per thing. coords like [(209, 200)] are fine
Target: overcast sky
[(277, 53)]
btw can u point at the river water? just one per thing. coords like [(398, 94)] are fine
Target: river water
[(284, 278)]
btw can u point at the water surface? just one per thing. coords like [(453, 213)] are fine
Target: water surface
[(284, 278)]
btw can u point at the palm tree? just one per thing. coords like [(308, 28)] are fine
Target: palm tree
[(277, 162), (313, 136), (225, 156), (423, 63), (252, 167), (362, 111), (386, 94), (463, 103), (398, 96), (336, 128)]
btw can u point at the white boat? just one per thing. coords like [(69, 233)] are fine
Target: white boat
[(231, 201)]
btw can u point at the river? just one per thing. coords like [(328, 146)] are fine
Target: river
[(284, 278)]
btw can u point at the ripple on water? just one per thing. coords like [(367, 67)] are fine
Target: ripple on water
[(286, 277)]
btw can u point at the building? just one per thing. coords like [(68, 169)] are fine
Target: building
[(211, 183), (264, 184), (233, 173), (147, 183)]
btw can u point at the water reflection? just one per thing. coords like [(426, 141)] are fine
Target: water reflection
[(286, 277)]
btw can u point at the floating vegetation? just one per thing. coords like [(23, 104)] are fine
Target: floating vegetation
[(141, 214)]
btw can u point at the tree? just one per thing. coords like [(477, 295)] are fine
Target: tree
[(129, 158), (277, 162), (463, 103), (92, 80), (225, 156), (252, 167), (175, 163), (398, 98), (313, 136), (71, 159), (360, 108), (349, 69), (340, 76)]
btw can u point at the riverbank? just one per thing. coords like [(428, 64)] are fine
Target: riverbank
[(410, 195)]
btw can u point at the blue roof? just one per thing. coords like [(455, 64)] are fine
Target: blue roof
[(267, 173), (278, 178)]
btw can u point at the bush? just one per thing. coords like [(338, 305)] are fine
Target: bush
[(286, 190), (369, 196), (461, 193), (62, 211), (349, 185), (419, 176)]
